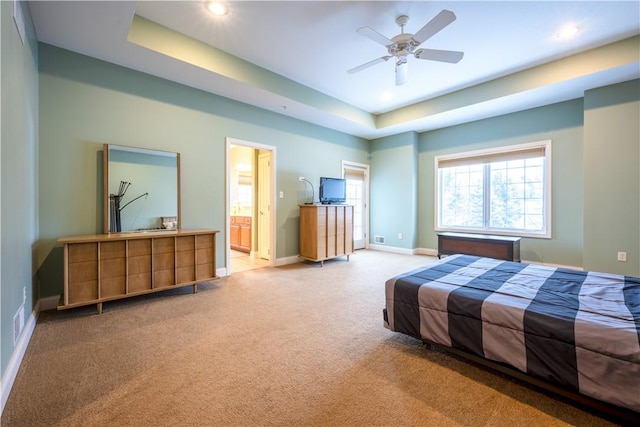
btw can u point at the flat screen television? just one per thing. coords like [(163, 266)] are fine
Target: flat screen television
[(333, 190)]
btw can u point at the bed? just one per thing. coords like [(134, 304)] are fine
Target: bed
[(574, 329)]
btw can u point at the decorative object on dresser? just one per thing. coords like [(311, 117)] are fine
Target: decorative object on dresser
[(326, 231), (500, 247), (313, 194), (106, 267), (116, 207)]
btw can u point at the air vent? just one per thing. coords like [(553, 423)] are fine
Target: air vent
[(378, 239), (18, 324)]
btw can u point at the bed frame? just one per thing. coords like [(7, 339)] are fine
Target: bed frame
[(611, 412), (569, 332)]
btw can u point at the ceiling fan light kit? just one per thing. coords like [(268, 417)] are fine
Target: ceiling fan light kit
[(401, 72), (405, 44)]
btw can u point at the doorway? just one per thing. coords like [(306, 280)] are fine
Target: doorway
[(357, 176), (250, 196)]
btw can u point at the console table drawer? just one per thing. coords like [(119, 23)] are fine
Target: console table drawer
[(499, 247)]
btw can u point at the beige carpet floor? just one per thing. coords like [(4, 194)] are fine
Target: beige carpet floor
[(300, 345)]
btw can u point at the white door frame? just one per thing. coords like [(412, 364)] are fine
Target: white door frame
[(272, 198), (365, 212)]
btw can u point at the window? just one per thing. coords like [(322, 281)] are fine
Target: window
[(498, 191), (355, 192), (245, 195)]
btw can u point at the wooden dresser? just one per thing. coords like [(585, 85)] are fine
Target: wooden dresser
[(105, 267), (326, 231)]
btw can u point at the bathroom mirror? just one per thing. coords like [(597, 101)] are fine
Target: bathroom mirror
[(141, 189)]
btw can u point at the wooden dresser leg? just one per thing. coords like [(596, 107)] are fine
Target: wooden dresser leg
[(195, 288), (99, 307)]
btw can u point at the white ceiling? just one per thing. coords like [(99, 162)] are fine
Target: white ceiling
[(312, 44)]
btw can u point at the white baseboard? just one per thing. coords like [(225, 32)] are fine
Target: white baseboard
[(434, 253), (404, 251), (524, 261), (426, 251), (48, 303), (288, 260), (392, 249), (11, 372)]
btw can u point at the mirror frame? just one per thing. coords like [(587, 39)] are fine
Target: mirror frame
[(105, 184)]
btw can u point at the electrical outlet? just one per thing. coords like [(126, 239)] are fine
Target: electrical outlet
[(282, 194), (622, 256), (399, 236), (301, 178), (24, 294)]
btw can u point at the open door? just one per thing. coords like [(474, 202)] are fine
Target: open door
[(264, 204), (262, 221)]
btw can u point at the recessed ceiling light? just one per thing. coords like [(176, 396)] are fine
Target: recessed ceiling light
[(568, 31), (217, 8)]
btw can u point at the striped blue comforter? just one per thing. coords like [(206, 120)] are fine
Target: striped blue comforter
[(575, 328)]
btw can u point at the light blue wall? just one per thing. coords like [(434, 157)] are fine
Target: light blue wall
[(19, 228), (595, 177), (612, 178), (561, 123), (394, 190), (85, 103)]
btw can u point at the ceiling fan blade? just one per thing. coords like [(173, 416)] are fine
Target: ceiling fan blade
[(444, 18), (368, 64), (450, 56), (374, 35), (401, 72)]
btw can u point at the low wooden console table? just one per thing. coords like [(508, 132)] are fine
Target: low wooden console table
[(106, 267), (499, 247)]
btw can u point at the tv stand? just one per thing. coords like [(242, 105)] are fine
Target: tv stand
[(326, 231)]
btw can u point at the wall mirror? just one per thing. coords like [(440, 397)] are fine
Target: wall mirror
[(141, 189)]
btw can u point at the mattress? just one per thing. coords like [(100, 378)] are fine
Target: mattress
[(576, 329)]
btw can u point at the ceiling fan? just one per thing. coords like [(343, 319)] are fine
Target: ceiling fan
[(405, 44)]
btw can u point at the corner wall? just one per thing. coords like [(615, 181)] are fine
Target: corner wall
[(612, 178), (394, 190), (18, 206)]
